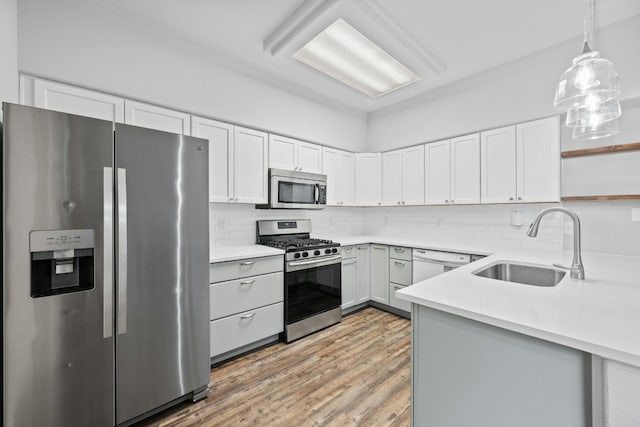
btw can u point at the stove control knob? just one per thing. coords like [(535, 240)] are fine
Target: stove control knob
[(316, 252), (334, 250), (296, 255), (327, 251), (305, 254)]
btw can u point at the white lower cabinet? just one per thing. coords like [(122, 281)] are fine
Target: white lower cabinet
[(245, 302), (400, 275), (232, 332), (355, 275), (349, 280), (363, 276), (380, 274), (394, 301)]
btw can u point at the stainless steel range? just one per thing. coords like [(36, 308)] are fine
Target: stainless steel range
[(313, 280)]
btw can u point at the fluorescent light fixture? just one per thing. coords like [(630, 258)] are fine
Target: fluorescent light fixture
[(342, 52)]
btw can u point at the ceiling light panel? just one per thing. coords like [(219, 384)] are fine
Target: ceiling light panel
[(342, 52)]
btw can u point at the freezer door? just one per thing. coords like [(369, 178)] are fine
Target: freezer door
[(58, 345), (162, 261)]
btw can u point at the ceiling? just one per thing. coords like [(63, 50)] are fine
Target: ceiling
[(440, 41)]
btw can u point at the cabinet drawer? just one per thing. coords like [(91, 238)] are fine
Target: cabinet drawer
[(230, 270), (349, 252), (398, 252), (245, 328), (400, 272), (395, 301), (227, 298)]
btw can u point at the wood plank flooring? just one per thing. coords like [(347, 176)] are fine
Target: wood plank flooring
[(355, 373)]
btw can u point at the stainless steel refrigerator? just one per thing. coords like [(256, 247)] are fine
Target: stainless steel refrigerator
[(104, 269)]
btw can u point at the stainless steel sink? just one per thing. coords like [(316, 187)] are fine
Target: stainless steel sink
[(521, 273)]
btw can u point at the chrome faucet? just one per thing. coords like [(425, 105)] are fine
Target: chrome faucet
[(576, 269)]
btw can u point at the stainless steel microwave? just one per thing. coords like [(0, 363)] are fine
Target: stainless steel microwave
[(296, 190)]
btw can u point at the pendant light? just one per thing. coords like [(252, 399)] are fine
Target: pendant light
[(589, 89)]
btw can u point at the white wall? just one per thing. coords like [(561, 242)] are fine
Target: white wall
[(518, 91), (9, 49), (86, 44)]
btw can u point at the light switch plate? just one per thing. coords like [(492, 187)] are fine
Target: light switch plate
[(635, 214)]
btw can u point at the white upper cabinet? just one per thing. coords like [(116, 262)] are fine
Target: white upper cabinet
[(309, 157), (368, 174), (538, 160), (392, 178), (220, 136), (250, 165), (72, 100), (154, 117), (437, 177), (330, 169), (465, 169), (346, 178), (340, 168), (498, 165), (291, 154), (403, 176), (413, 175)]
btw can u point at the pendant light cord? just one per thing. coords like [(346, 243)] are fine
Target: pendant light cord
[(589, 24)]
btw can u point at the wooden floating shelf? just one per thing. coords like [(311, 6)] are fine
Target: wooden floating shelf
[(602, 150), (608, 197)]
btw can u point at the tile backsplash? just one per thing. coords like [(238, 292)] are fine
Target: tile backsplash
[(482, 226), (606, 226), (235, 224)]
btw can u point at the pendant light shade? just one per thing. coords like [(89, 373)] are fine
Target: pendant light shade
[(593, 112), (589, 89), (589, 75), (602, 130)]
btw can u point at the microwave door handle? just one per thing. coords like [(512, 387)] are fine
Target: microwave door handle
[(317, 193)]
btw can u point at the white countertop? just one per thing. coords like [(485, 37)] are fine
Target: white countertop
[(599, 315), (242, 252), (420, 244)]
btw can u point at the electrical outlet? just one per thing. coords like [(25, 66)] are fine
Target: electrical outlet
[(635, 214)]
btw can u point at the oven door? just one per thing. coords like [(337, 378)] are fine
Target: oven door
[(312, 287), (295, 193)]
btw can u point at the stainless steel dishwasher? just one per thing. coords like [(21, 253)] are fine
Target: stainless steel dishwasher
[(429, 263)]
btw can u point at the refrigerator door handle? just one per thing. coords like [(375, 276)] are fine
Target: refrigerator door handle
[(122, 250), (107, 277)]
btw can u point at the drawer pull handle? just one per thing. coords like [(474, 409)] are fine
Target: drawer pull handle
[(398, 249), (247, 282), (248, 316), (247, 263), (401, 264), (361, 248)]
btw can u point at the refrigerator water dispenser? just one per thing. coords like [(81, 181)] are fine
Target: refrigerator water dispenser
[(61, 261)]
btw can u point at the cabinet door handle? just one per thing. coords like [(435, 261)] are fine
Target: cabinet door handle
[(247, 282), (401, 264), (248, 316), (510, 198), (519, 198), (361, 248), (446, 201), (398, 202), (247, 263), (231, 199), (403, 202)]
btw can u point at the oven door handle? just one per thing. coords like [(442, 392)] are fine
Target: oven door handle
[(315, 261)]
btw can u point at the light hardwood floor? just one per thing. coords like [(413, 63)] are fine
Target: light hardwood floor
[(353, 373)]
